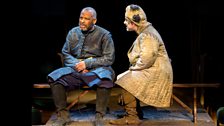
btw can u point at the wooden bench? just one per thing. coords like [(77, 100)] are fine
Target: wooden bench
[(195, 87)]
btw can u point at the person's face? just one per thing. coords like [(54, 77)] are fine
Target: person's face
[(86, 20), (129, 25)]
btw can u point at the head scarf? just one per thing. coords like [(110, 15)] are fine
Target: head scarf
[(135, 14)]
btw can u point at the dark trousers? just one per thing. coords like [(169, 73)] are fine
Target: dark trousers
[(71, 82)]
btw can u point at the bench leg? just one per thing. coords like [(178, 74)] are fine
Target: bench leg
[(195, 107)]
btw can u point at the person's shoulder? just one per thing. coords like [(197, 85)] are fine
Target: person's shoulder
[(76, 28), (146, 35), (102, 29)]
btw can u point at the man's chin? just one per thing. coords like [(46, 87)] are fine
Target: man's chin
[(83, 29)]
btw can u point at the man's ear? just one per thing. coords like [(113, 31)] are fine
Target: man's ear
[(94, 21)]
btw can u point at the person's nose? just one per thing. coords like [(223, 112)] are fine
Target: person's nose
[(82, 20)]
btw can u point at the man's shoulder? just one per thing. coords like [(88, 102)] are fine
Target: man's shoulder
[(76, 28), (101, 29)]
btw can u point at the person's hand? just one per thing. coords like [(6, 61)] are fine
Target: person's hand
[(80, 66), (85, 71)]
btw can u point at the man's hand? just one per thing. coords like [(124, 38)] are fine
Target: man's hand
[(85, 71), (81, 66)]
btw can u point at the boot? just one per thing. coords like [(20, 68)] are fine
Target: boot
[(62, 119), (102, 99), (59, 97), (131, 117), (139, 110), (99, 119)]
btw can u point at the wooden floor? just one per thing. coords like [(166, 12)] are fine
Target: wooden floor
[(82, 114), (152, 117)]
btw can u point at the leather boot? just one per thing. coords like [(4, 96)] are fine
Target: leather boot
[(62, 119), (131, 117), (59, 97), (99, 119), (139, 110), (102, 99)]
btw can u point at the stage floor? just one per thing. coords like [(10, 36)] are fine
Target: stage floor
[(82, 114), (152, 117)]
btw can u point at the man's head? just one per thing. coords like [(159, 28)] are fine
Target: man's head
[(87, 19), (135, 14)]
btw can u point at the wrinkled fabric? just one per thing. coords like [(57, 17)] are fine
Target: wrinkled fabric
[(150, 75)]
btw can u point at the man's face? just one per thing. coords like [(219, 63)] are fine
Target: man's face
[(129, 25), (86, 20)]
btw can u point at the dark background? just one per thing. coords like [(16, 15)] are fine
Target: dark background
[(192, 31)]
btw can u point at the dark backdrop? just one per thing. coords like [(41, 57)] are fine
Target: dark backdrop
[(191, 30)]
